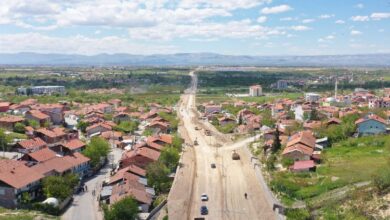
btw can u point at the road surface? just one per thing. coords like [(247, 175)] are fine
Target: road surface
[(225, 185), (85, 205)]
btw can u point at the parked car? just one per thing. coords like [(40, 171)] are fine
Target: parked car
[(204, 210), (213, 166), (204, 197)]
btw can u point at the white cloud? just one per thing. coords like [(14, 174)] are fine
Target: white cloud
[(339, 22), (326, 16), (276, 9), (355, 32), (379, 16), (261, 19), (326, 39), (360, 5), (287, 19), (306, 21), (381, 30), (300, 28), (35, 42), (360, 18)]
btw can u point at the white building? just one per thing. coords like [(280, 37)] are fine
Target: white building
[(312, 97), (255, 90), (41, 90), (281, 84)]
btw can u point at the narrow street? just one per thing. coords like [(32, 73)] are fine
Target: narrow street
[(225, 185), (85, 205)]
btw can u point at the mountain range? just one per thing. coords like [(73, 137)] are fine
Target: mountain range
[(192, 59)]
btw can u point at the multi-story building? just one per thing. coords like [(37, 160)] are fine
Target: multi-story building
[(312, 97), (281, 84), (255, 90), (41, 90)]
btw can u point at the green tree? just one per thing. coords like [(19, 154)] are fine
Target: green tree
[(97, 149), (314, 115), (170, 157), (127, 126), (147, 132), (19, 128), (4, 140), (276, 145), (157, 175), (82, 126), (125, 209), (33, 124), (177, 142), (59, 187)]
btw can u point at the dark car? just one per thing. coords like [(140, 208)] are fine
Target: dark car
[(213, 165), (204, 210)]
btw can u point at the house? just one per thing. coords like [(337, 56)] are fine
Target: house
[(158, 127), (16, 179), (38, 116), (312, 97), (302, 166), (30, 145), (149, 116), (212, 109), (98, 128), (140, 157), (4, 106), (70, 147), (312, 125), (132, 186), (73, 163), (55, 111), (8, 122), (255, 90), (122, 173), (39, 155), (226, 120), (371, 124), (300, 146), (52, 136), (19, 109), (115, 102), (121, 116), (333, 121), (379, 102)]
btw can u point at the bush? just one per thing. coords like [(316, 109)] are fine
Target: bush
[(381, 180), (46, 208), (297, 214)]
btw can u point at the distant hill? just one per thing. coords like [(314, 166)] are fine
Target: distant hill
[(185, 59)]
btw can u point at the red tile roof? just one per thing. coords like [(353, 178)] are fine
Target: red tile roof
[(371, 117), (61, 164), (74, 144), (11, 119), (32, 143), (303, 137), (42, 155), (16, 174), (302, 165), (53, 133), (38, 114)]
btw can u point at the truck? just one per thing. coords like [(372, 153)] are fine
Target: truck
[(235, 155)]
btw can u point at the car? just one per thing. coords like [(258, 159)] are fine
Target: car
[(204, 210), (213, 166), (204, 197)]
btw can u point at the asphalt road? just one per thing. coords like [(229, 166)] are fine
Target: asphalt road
[(225, 185), (85, 206)]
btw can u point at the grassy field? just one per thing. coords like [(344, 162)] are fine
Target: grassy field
[(272, 97), (351, 161), (7, 214)]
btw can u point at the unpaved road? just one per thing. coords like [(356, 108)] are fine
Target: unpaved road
[(225, 185)]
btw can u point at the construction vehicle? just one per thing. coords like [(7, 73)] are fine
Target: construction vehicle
[(235, 155)]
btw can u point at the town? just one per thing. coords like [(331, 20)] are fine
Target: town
[(95, 155)]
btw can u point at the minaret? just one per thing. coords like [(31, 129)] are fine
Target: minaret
[(335, 90)]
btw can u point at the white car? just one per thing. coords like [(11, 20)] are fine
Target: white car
[(204, 197)]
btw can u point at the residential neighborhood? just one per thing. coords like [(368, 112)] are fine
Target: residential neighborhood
[(58, 139)]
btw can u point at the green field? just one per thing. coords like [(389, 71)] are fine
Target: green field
[(355, 160)]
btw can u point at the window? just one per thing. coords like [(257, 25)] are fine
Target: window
[(2, 191)]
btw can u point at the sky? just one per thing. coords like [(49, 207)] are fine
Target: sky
[(234, 27)]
